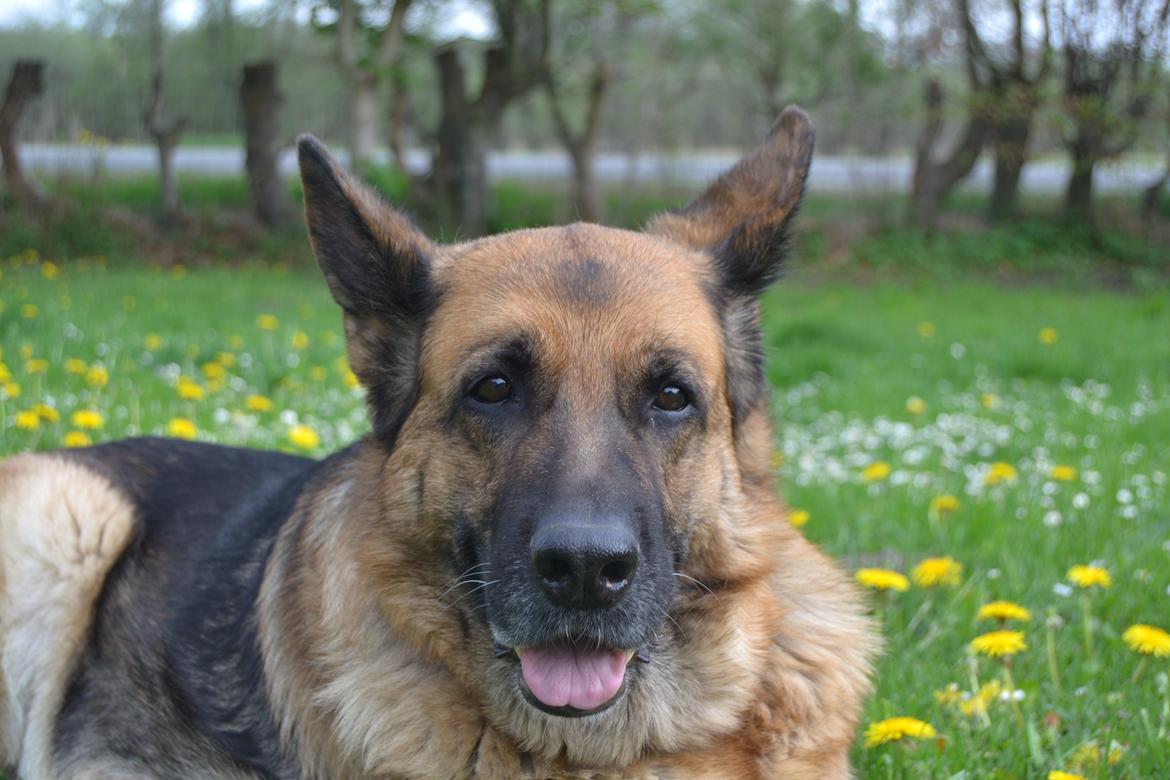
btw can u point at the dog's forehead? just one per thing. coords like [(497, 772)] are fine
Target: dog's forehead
[(582, 285)]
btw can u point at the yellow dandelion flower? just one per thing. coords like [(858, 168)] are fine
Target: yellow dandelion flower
[(936, 572), (88, 419), (1000, 472), (1063, 473), (258, 403), (97, 376), (978, 702), (943, 505), (1090, 577), (1056, 774), (300, 340), (36, 366), (351, 380), (882, 579), (236, 341), (998, 644), (894, 729), (915, 405), (1003, 610), (949, 695), (1087, 754), (152, 341), (925, 329), (798, 518), (77, 439), (989, 400), (976, 705), (75, 366), (50, 270), (28, 420), (11, 390), (47, 413), (1147, 640), (26, 351), (303, 437), (5, 374), (178, 271), (213, 370), (30, 311), (181, 428), (318, 374), (1048, 336), (189, 391), (876, 471), (267, 322), (226, 359)]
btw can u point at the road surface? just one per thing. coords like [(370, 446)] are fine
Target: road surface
[(829, 173)]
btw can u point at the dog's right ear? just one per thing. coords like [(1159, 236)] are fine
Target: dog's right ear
[(376, 263)]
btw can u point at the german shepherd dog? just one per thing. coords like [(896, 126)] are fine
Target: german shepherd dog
[(558, 553)]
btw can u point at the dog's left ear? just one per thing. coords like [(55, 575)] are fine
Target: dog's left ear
[(742, 222), (376, 263)]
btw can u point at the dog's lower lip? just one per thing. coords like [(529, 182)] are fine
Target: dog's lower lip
[(503, 651)]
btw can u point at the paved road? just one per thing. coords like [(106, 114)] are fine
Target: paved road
[(829, 173)]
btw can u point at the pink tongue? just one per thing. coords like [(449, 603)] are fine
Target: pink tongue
[(566, 676)]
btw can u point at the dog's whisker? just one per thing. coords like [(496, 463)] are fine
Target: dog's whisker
[(477, 588), (700, 583)]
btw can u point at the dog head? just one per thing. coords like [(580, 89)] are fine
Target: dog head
[(579, 414)]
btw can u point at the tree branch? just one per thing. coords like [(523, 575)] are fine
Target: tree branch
[(391, 40)]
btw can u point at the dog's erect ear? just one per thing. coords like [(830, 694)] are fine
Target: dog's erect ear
[(742, 222), (376, 264)]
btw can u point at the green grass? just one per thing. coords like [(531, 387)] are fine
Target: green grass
[(844, 359)]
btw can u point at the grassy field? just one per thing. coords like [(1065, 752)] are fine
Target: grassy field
[(1044, 414)]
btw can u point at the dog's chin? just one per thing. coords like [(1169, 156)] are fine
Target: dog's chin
[(572, 679)]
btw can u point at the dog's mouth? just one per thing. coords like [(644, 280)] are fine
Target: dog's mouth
[(572, 678)]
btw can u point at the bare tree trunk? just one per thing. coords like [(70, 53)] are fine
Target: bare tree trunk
[(1011, 153), (399, 116), (934, 181), (512, 67), (260, 99), (1152, 193), (24, 87), (166, 137), (460, 167), (1078, 196), (363, 113), (582, 147), (365, 72)]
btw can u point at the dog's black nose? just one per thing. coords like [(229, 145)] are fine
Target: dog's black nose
[(584, 562)]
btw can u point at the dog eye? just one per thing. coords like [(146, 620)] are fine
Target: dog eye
[(671, 399), (492, 389)]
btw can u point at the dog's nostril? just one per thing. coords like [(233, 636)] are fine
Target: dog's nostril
[(554, 568), (615, 573)]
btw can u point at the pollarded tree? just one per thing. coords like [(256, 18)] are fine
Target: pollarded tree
[(514, 63), (165, 134), (1014, 72), (368, 39), (261, 101), (24, 87), (590, 46), (1112, 55)]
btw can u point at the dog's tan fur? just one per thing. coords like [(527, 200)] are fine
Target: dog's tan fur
[(372, 666), (62, 527)]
